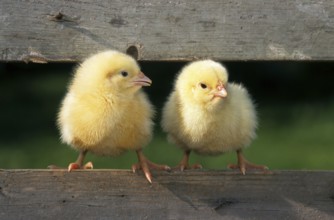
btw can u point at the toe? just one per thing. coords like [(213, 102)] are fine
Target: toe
[(233, 166), (148, 177), (135, 167), (243, 170), (53, 167), (88, 165), (196, 166), (167, 168), (73, 166)]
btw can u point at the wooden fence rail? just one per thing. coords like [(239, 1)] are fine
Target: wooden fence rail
[(42, 31), (204, 194), (58, 31)]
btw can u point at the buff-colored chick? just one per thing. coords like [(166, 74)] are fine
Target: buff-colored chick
[(106, 112), (208, 115)]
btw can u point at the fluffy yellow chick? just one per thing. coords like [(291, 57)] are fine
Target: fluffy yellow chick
[(106, 112), (208, 115)]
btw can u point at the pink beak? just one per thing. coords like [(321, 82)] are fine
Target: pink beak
[(142, 80), (221, 92)]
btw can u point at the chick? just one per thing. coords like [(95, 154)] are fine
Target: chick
[(207, 115), (105, 112)]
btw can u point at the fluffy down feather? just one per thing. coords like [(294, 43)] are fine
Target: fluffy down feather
[(102, 112), (105, 110), (206, 114)]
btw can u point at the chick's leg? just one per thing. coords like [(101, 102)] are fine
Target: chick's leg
[(78, 164), (146, 165), (244, 164), (184, 163)]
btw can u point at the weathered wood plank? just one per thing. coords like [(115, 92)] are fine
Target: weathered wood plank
[(110, 194), (167, 30)]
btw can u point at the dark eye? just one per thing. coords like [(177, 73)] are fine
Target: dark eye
[(124, 73), (203, 85)]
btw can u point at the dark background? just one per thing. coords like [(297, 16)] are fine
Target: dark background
[(295, 102)]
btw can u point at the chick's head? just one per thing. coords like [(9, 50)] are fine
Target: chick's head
[(203, 82), (111, 72)]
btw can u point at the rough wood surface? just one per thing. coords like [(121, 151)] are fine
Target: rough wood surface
[(42, 31), (120, 194)]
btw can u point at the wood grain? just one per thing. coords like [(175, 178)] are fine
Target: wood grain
[(44, 31), (205, 194)]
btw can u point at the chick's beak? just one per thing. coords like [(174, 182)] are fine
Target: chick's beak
[(221, 92), (142, 80)]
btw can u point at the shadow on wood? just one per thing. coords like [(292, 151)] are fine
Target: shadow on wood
[(110, 194)]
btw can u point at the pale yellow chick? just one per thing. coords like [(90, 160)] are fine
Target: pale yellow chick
[(106, 112), (208, 115)]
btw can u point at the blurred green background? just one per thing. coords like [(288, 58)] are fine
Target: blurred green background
[(295, 102)]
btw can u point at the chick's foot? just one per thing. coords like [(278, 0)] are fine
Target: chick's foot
[(184, 163), (244, 164), (145, 165), (76, 166), (73, 166), (79, 163), (186, 166)]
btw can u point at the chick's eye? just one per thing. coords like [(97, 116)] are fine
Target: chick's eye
[(124, 73), (203, 85)]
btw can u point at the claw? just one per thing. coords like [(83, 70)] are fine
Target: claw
[(244, 165), (135, 167), (166, 168), (73, 166), (88, 165), (148, 177), (145, 165), (53, 167), (197, 166), (76, 166), (183, 167), (184, 163), (243, 170)]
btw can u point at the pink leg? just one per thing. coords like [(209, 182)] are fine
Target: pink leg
[(146, 165), (78, 164), (244, 165), (184, 163)]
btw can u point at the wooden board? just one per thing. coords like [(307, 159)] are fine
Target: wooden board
[(42, 31), (120, 194)]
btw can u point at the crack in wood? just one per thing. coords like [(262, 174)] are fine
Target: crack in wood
[(223, 203), (34, 57), (177, 195)]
